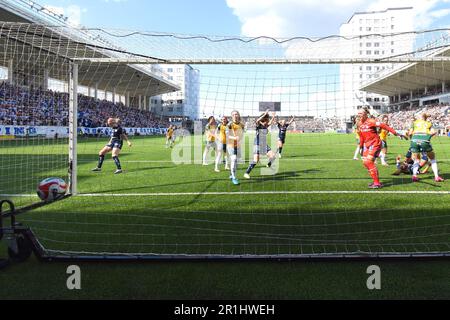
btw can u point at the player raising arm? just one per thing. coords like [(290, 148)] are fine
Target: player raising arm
[(260, 143), (221, 140), (282, 127), (115, 144), (370, 144)]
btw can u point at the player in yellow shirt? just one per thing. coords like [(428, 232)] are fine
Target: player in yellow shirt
[(383, 136), (221, 141), (210, 133), (169, 136), (235, 134), (421, 132)]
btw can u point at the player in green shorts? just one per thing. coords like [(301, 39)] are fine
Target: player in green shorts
[(421, 132)]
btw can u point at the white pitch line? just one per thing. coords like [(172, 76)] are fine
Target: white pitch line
[(165, 194), (172, 194)]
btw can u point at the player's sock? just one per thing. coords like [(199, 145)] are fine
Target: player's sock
[(435, 169), (233, 166), (383, 157), (117, 162), (358, 149), (416, 167), (280, 150), (218, 158), (374, 172), (100, 161), (271, 160), (205, 153), (398, 163), (251, 167)]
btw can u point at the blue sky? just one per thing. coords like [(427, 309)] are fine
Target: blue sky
[(250, 18), (280, 18)]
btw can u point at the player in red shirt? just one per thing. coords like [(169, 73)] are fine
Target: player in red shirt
[(370, 144)]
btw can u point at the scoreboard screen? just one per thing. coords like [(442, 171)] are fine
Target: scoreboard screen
[(272, 106)]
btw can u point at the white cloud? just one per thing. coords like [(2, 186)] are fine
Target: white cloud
[(287, 18), (72, 12)]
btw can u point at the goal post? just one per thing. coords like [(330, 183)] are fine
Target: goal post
[(73, 127)]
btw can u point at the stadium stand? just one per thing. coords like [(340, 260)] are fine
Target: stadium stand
[(36, 107)]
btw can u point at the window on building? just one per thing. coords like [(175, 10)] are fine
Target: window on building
[(368, 44), (376, 99), (368, 68), (368, 29), (169, 69), (392, 27), (376, 52), (376, 44), (368, 99), (368, 52)]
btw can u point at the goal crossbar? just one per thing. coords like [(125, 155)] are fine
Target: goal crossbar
[(258, 61)]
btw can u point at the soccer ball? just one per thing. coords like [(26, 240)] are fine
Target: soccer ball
[(51, 189)]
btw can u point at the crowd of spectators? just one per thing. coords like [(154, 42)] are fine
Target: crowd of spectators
[(23, 106), (439, 116), (36, 107)]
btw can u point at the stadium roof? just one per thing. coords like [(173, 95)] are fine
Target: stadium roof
[(54, 47), (413, 77)]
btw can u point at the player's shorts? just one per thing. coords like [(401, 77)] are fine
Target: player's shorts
[(115, 144), (419, 146), (258, 148), (384, 144), (372, 151), (221, 146), (232, 150), (211, 144), (282, 139)]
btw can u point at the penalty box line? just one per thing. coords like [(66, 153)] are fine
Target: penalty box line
[(174, 194), (168, 194)]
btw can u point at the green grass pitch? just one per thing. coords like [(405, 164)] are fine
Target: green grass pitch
[(317, 203)]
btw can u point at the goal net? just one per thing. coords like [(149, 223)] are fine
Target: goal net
[(170, 195)]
